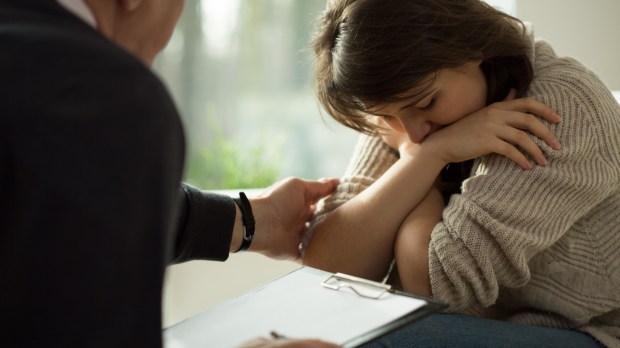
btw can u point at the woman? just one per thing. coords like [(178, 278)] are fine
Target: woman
[(460, 177)]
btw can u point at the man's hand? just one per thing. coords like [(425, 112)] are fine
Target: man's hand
[(286, 343), (282, 213)]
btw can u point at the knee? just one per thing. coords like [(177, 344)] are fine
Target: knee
[(432, 331)]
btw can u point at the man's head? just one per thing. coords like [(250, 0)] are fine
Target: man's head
[(143, 27)]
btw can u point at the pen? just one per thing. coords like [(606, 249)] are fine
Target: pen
[(277, 336)]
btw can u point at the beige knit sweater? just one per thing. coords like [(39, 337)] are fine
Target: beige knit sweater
[(538, 247)]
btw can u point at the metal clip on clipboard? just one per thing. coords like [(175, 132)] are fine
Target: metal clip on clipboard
[(371, 289)]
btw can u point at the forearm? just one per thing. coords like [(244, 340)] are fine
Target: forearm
[(358, 237), (412, 243)]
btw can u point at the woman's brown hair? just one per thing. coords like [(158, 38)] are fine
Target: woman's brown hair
[(372, 52)]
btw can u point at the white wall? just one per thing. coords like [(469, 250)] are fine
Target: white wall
[(587, 30)]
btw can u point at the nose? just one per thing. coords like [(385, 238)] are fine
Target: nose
[(416, 129)]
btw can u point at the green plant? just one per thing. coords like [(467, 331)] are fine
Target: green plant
[(224, 164)]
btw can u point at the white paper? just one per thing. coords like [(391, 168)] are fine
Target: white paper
[(295, 305)]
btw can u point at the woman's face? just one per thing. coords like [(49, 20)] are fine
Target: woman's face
[(454, 94)]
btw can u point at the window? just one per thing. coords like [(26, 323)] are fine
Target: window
[(240, 72)]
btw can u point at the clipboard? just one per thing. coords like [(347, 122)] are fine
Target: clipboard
[(306, 303)]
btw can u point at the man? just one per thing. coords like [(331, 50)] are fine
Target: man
[(91, 157)]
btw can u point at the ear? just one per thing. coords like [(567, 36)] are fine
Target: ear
[(130, 5)]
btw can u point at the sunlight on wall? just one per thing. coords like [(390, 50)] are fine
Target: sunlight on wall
[(508, 6)]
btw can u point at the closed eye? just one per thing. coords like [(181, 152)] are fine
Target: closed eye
[(428, 106)]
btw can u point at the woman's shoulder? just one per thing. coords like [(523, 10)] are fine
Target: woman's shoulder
[(590, 114), (568, 86)]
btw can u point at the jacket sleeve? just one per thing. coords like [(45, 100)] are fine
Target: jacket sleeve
[(205, 225), (90, 171)]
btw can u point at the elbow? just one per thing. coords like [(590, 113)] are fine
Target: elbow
[(411, 254)]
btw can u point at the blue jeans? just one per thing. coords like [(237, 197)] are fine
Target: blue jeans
[(458, 330)]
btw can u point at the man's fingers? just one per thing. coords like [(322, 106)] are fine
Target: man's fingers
[(319, 189)]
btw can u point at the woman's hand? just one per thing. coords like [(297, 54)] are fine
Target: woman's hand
[(500, 128)]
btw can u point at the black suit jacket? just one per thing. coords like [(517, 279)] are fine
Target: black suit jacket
[(91, 159)]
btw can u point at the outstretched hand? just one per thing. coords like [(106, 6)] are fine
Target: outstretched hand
[(287, 343), (282, 213)]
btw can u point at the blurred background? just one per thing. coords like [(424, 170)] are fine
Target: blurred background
[(240, 73)]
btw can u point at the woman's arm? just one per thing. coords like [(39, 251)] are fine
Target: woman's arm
[(412, 242), (358, 237)]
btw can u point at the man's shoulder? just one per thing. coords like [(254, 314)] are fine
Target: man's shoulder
[(51, 41), (47, 59)]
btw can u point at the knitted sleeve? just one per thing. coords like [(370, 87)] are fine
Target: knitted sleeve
[(371, 158), (506, 215)]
